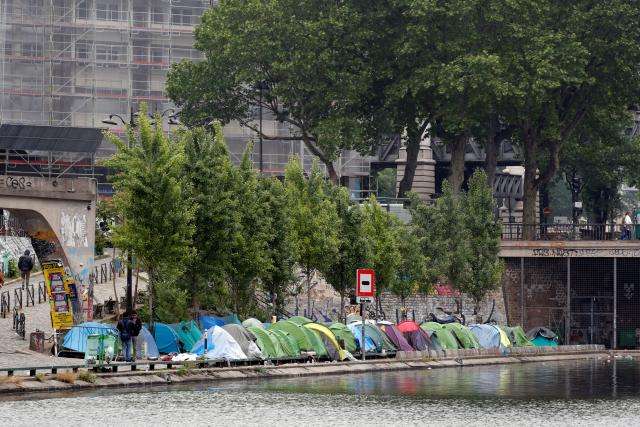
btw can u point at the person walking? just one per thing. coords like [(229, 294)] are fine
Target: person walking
[(25, 265), (124, 327), (136, 326), (627, 224)]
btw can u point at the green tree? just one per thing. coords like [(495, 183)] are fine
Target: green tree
[(380, 228), (315, 222), (152, 199), (275, 55), (412, 274), (212, 192), (249, 252), (483, 233), (282, 251), (353, 250)]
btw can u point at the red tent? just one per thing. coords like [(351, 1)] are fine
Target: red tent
[(408, 326)]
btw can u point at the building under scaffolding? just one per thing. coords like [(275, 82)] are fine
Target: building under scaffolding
[(75, 62)]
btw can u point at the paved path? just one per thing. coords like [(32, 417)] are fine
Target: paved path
[(14, 351)]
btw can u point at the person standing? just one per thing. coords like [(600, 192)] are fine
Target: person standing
[(627, 224), (25, 265), (124, 327), (135, 327)]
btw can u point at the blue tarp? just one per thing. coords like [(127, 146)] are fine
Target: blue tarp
[(541, 341), (166, 338), (488, 335), (76, 338), (370, 343), (209, 321)]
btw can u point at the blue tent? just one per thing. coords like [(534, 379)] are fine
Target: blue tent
[(145, 341), (76, 338), (487, 335), (370, 343), (166, 338)]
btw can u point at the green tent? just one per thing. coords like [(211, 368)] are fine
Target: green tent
[(263, 339), (277, 345), (445, 338), (188, 334), (344, 335), (287, 342), (379, 336), (463, 334), (307, 340), (300, 320), (518, 337)]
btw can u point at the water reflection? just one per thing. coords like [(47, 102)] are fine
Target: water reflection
[(577, 392)]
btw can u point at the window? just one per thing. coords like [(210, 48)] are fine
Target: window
[(157, 55), (31, 49), (157, 15), (107, 11), (83, 50), (83, 10), (181, 16), (107, 52), (34, 7), (8, 48)]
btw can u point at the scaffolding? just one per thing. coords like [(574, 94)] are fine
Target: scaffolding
[(75, 62)]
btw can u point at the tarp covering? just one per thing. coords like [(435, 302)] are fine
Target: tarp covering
[(207, 322), (518, 337), (463, 334), (445, 337), (371, 343), (263, 339), (220, 345), (253, 322), (396, 337), (335, 351), (166, 338), (76, 338), (543, 337), (504, 337), (144, 341), (231, 319), (245, 339), (188, 334), (487, 335), (344, 335)]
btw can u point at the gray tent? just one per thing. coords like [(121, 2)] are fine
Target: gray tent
[(244, 338)]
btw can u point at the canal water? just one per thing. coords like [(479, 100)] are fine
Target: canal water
[(587, 392)]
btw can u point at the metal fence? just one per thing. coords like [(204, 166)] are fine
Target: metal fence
[(589, 231), (583, 300)]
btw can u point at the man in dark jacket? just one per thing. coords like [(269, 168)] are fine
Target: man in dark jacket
[(25, 265), (125, 326)]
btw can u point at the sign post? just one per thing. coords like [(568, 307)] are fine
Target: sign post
[(365, 292)]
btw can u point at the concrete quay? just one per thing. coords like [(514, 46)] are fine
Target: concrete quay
[(188, 372)]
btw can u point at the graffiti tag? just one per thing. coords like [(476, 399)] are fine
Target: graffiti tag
[(583, 252), (20, 183)]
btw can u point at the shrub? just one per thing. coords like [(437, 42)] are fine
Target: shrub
[(87, 376), (11, 380), (41, 377), (13, 268), (67, 377)]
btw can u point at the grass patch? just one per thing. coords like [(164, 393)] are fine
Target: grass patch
[(183, 370), (87, 376), (11, 380), (67, 377), (41, 377)]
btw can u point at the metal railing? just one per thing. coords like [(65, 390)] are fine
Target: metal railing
[(586, 231)]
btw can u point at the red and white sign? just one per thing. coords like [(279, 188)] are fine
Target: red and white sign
[(366, 284)]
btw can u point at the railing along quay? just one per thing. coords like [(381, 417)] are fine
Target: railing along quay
[(584, 232)]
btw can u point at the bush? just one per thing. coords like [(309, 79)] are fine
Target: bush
[(13, 269), (67, 377), (41, 377), (87, 376)]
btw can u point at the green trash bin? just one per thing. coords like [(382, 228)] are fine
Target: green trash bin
[(101, 347)]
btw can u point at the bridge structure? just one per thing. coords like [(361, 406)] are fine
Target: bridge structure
[(48, 187)]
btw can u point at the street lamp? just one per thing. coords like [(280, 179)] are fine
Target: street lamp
[(172, 115), (261, 86)]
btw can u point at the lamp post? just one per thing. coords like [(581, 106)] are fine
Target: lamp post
[(132, 124), (261, 86)]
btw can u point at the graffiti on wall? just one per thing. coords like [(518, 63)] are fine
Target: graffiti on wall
[(73, 230)]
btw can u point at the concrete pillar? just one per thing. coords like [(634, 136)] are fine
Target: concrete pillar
[(424, 180)]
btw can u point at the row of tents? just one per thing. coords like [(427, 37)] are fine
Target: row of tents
[(214, 337)]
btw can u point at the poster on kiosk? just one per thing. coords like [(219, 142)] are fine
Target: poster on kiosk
[(366, 285), (61, 292)]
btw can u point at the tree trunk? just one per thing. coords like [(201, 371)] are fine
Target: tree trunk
[(309, 294), (413, 150), (150, 286), (456, 177), (331, 171), (115, 289), (530, 189), (135, 291), (342, 305), (491, 157)]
